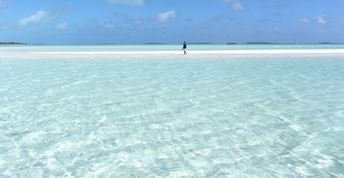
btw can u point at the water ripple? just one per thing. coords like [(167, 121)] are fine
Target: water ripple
[(242, 117)]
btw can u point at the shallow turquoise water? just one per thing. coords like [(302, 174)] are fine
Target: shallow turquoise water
[(172, 117)]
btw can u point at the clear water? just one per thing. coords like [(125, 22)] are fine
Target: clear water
[(172, 117), (167, 47)]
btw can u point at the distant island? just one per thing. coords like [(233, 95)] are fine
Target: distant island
[(327, 43), (12, 43)]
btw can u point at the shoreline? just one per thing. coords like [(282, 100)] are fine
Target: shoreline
[(260, 51), (191, 53)]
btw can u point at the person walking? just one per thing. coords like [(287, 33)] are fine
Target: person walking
[(185, 46)]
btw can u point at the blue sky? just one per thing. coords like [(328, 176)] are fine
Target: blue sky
[(171, 21)]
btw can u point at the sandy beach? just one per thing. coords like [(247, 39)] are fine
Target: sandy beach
[(196, 53)]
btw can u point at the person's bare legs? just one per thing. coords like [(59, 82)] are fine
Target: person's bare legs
[(185, 53)]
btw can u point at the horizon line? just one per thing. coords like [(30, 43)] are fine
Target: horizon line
[(4, 43)]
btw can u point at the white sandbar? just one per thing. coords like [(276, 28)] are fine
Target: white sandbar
[(198, 53)]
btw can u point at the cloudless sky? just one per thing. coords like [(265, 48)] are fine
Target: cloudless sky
[(171, 21)]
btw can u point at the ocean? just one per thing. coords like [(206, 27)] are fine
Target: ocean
[(234, 116)]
